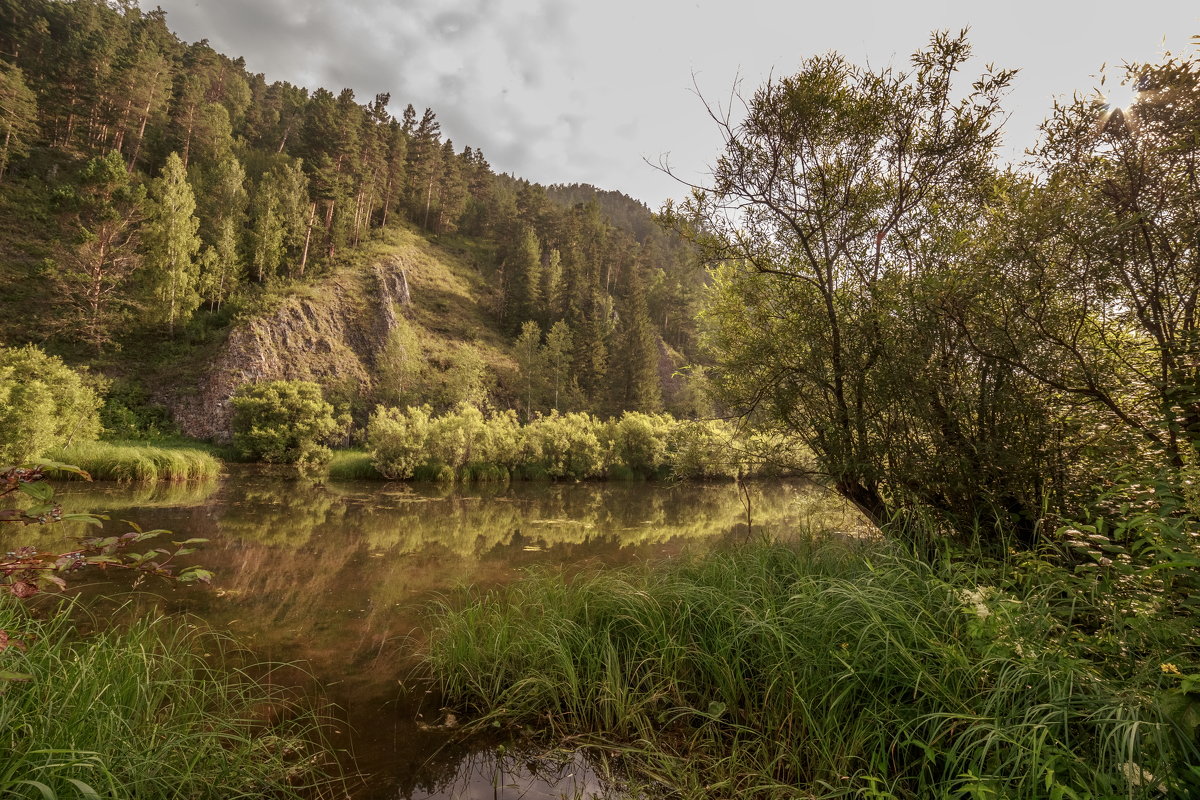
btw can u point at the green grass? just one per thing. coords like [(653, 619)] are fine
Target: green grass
[(353, 465), (826, 670), (135, 461), (159, 709)]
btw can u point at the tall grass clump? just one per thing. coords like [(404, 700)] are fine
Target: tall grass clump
[(352, 465), (134, 461), (159, 709), (822, 670)]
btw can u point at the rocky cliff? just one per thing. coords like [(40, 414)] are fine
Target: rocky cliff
[(328, 334)]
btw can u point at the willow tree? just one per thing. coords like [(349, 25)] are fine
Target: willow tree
[(1095, 263), (841, 211)]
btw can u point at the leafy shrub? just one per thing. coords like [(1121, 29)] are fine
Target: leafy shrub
[(129, 413), (638, 442), (470, 445), (284, 422), (398, 439), (461, 442), (701, 450), (43, 404), (567, 445)]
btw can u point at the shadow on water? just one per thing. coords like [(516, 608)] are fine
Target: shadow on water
[(340, 577)]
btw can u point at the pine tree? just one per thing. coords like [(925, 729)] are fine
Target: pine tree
[(171, 245), (640, 388), (526, 271), (422, 167), (552, 285), (94, 262), (18, 115), (591, 349)]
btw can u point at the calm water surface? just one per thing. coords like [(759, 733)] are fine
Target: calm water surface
[(341, 577)]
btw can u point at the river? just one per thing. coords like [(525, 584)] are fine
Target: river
[(340, 577)]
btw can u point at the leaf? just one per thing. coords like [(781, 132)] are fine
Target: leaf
[(46, 792), (7, 675), (195, 574), (87, 519), (190, 541), (23, 589), (84, 789), (58, 466), (38, 491)]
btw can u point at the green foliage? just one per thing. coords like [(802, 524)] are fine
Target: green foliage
[(467, 444), (172, 243), (397, 439), (412, 443), (18, 115), (129, 413), (400, 365), (94, 264), (159, 707), (834, 315), (639, 442), (284, 422), (43, 404), (831, 670), (466, 378), (567, 446)]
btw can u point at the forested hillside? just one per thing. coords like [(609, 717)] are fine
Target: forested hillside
[(155, 195)]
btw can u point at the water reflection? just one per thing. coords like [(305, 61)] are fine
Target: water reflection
[(339, 576)]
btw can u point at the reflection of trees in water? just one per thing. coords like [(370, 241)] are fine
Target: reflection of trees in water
[(114, 500), (278, 512)]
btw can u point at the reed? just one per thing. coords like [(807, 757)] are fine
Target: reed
[(821, 670)]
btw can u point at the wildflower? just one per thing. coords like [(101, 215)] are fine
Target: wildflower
[(1169, 669)]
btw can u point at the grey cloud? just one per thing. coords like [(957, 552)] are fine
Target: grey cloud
[(458, 57)]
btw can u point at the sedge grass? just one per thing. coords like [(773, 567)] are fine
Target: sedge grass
[(816, 671), (353, 465), (159, 709), (137, 462)]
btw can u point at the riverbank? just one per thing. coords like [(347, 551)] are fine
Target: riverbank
[(836, 669)]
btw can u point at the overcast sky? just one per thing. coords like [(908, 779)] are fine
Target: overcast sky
[(562, 91)]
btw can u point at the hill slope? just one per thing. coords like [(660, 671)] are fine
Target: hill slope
[(332, 332)]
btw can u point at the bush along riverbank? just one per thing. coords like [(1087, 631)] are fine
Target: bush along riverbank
[(467, 444), (833, 669)]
